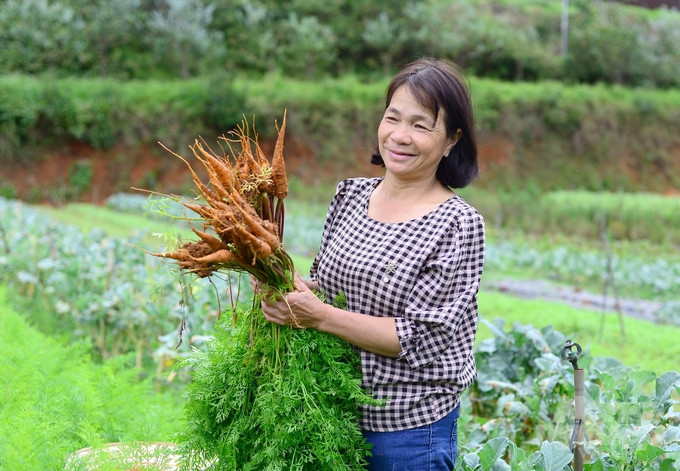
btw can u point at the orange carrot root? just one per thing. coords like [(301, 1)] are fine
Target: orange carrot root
[(241, 208), (222, 256), (278, 165), (212, 241)]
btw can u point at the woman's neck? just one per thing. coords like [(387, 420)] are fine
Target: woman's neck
[(398, 201), (413, 190)]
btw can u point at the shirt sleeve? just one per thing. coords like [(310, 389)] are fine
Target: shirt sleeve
[(442, 309), (333, 210)]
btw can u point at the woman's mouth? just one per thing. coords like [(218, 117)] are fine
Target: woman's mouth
[(395, 154)]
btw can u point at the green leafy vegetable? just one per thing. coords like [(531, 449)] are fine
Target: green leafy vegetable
[(267, 397)]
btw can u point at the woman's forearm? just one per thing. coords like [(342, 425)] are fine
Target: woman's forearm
[(375, 334)]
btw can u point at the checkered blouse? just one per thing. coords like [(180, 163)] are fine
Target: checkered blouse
[(424, 272)]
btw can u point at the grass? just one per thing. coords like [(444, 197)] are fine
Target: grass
[(645, 345), (150, 227)]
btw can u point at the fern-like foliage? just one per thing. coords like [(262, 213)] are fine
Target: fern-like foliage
[(265, 397)]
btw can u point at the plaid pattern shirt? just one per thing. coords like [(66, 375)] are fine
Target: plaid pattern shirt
[(425, 273)]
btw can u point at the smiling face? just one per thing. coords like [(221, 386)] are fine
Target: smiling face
[(411, 140)]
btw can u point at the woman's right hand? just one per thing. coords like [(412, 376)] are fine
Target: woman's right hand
[(300, 308)]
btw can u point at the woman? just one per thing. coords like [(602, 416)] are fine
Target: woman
[(408, 254)]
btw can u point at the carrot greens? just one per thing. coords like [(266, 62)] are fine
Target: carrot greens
[(283, 399)]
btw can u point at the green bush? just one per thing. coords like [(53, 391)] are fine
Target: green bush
[(588, 214), (7, 190), (624, 216), (80, 175), (20, 106), (588, 137), (35, 113), (332, 118)]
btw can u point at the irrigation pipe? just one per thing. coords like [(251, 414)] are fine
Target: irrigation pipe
[(576, 443)]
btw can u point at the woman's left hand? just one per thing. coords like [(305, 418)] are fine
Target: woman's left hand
[(300, 308)]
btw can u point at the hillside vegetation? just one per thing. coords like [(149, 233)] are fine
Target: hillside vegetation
[(555, 135), (601, 41), (592, 107)]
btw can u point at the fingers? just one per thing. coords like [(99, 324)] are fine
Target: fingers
[(282, 308), (272, 315), (269, 294), (302, 284), (254, 284), (278, 311)]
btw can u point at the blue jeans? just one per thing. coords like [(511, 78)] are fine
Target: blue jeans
[(431, 447)]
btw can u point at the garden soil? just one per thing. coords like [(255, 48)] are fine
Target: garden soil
[(119, 169), (605, 302)]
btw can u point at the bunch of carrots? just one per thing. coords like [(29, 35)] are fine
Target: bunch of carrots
[(242, 211), (261, 396)]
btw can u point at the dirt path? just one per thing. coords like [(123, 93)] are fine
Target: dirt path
[(542, 289)]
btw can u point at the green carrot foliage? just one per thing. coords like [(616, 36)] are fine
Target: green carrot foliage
[(265, 397)]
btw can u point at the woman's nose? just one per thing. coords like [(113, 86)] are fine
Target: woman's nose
[(401, 134)]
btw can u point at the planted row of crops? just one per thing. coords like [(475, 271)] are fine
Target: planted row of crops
[(578, 213), (102, 288), (55, 400), (636, 277), (517, 415), (522, 401)]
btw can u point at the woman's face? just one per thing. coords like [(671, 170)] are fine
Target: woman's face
[(411, 141)]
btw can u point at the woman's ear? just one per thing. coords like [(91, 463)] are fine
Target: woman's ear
[(454, 140), (457, 137)]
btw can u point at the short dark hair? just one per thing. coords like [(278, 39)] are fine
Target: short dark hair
[(439, 84)]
